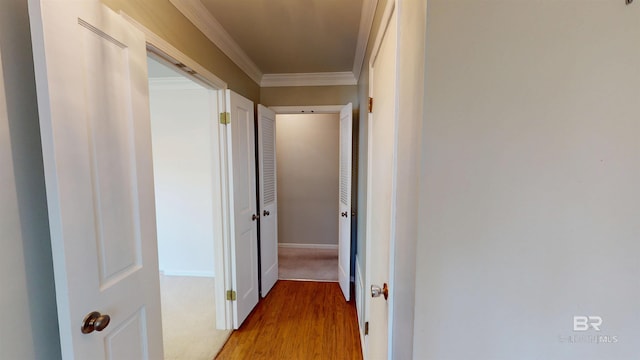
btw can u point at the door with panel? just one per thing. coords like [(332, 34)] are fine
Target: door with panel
[(381, 186), (91, 80), (344, 200), (242, 193), (268, 198)]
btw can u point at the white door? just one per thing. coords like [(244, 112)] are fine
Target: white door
[(244, 227), (91, 77), (344, 223), (380, 188), (268, 198)]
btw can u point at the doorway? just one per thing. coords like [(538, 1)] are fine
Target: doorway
[(182, 113), (307, 153)]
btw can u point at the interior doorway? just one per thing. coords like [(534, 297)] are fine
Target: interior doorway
[(307, 153), (183, 113)]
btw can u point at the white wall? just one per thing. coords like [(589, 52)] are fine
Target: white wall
[(530, 171), (28, 315), (181, 117), (307, 147)]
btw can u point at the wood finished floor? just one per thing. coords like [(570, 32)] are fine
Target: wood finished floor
[(298, 320)]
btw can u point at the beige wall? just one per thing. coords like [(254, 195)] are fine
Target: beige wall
[(309, 95), (307, 163), (29, 322), (530, 167), (161, 17)]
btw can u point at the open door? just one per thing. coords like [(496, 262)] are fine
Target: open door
[(242, 192), (91, 78), (380, 187), (344, 223), (268, 198)]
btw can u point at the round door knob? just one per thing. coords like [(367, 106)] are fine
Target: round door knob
[(376, 291), (254, 217), (95, 321), (266, 213)]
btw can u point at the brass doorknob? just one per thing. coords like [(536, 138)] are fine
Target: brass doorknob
[(95, 321), (376, 291)]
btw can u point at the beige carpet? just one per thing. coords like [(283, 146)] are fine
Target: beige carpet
[(189, 318), (307, 264)]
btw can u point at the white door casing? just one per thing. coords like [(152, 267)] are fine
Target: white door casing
[(93, 103), (344, 222), (242, 193), (268, 198), (382, 134)]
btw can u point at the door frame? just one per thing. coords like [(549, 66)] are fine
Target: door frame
[(161, 50), (329, 109)]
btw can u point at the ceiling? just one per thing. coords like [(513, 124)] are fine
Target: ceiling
[(292, 36), (288, 42)]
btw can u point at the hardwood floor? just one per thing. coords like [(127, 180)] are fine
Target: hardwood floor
[(298, 320)]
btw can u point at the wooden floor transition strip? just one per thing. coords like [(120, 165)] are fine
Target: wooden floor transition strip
[(298, 320)]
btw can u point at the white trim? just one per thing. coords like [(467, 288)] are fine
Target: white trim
[(309, 79), (366, 22), (173, 83), (180, 58), (214, 31), (207, 274), (319, 109), (308, 246)]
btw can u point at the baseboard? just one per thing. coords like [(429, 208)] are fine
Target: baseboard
[(308, 246), (360, 294), (188, 273)]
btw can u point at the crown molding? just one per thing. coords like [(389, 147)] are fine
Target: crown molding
[(213, 30), (308, 79), (366, 22), (173, 83)]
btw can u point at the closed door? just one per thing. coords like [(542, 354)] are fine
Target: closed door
[(344, 200), (380, 189), (244, 237), (91, 79), (268, 199)]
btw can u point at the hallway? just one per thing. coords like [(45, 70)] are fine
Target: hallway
[(298, 320)]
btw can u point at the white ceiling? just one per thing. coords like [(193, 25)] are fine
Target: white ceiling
[(161, 71), (288, 42)]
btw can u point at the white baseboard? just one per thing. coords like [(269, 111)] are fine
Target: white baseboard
[(309, 246), (188, 273), (360, 294)]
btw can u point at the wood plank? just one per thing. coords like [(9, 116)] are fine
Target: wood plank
[(298, 320)]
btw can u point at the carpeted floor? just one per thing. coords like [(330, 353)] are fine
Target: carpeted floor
[(189, 318), (307, 264)]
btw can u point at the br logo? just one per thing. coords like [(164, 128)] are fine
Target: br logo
[(583, 323)]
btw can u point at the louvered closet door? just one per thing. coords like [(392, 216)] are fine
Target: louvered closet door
[(344, 243), (268, 198)]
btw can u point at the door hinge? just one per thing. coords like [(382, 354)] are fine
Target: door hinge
[(225, 118), (370, 104), (231, 295), (366, 328)]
